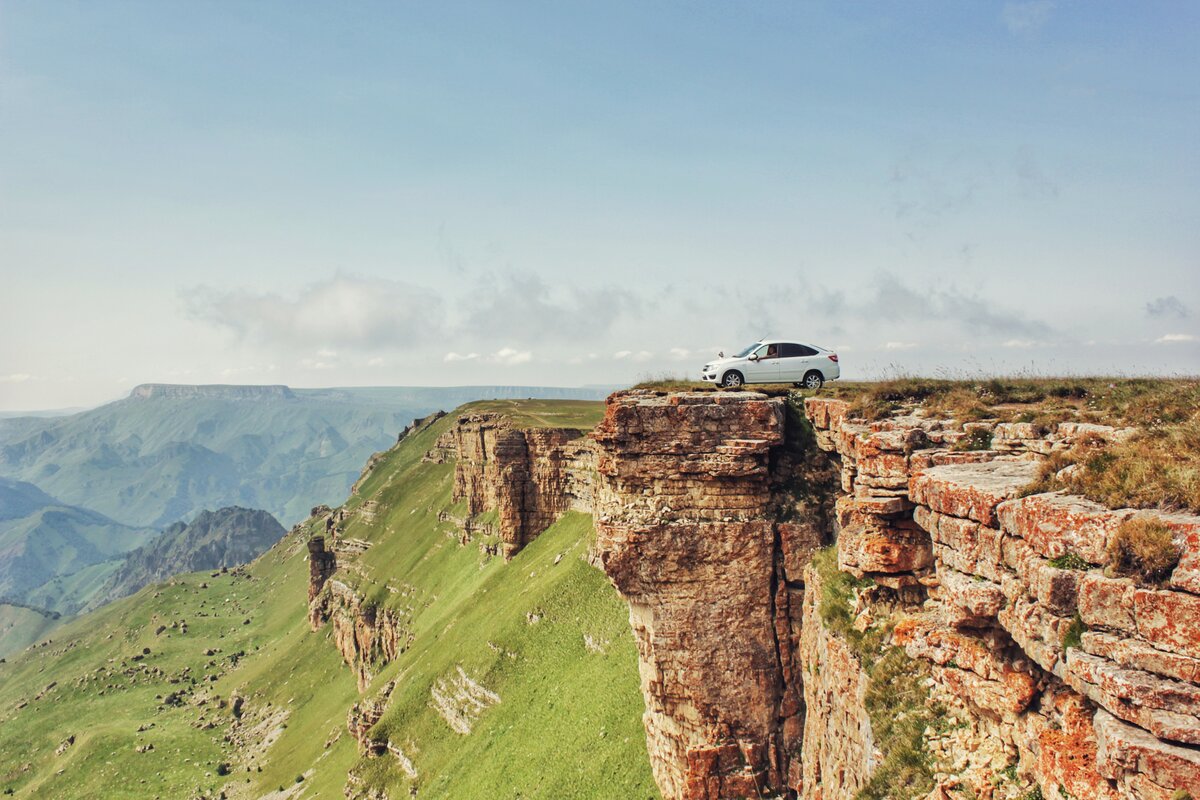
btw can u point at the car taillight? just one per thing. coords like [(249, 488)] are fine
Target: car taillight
[(833, 357)]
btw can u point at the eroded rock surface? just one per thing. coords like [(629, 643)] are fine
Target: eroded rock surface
[(1081, 683), (685, 530)]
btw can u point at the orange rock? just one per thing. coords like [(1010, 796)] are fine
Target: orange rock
[(1056, 524), (971, 491)]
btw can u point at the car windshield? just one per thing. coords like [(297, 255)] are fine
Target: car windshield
[(749, 349)]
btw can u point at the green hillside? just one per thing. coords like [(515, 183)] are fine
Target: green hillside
[(545, 634), (21, 626)]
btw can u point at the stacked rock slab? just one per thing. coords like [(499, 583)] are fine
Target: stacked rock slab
[(683, 531), (1117, 716), (529, 477)]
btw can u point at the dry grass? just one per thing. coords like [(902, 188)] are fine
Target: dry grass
[(1143, 548), (1143, 402), (1158, 468)]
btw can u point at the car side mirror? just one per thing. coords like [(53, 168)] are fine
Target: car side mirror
[(754, 356)]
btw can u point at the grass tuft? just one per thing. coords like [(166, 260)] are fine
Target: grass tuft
[(1070, 561), (1143, 547)]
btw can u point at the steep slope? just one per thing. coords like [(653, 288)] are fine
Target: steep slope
[(218, 539), (21, 626), (502, 677)]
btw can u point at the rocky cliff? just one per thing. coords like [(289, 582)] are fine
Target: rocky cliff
[(527, 476), (828, 608), (1053, 670)]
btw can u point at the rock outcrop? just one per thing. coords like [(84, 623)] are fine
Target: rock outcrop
[(686, 530), (365, 633), (527, 476), (1058, 673)]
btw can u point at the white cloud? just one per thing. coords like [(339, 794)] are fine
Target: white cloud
[(899, 345), (16, 377), (680, 353), (1176, 338), (344, 311), (452, 357), (621, 355), (1020, 343), (313, 363), (511, 357), (1028, 17), (643, 356), (375, 362)]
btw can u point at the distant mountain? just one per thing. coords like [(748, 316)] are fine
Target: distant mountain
[(214, 539), (168, 451), (42, 538)]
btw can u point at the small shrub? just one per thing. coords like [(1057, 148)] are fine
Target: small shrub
[(1074, 635), (1069, 561), (976, 439), (1034, 794), (222, 769), (1143, 547)]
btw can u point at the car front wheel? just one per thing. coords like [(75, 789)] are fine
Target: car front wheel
[(813, 380), (732, 379)]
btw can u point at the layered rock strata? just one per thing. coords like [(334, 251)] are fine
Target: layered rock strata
[(528, 476), (1080, 682), (686, 531)]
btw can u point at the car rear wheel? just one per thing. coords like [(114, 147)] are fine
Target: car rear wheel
[(813, 380), (732, 379)]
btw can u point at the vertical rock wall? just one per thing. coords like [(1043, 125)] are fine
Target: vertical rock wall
[(529, 477), (683, 529)]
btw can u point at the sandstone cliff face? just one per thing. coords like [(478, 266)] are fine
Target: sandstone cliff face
[(365, 634), (1110, 715), (686, 531), (839, 752), (529, 477)]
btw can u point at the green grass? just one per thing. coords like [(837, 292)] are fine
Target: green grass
[(562, 703), (578, 414), (1070, 561), (21, 626), (897, 700), (568, 724)]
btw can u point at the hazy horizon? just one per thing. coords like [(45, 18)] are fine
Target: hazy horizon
[(540, 194)]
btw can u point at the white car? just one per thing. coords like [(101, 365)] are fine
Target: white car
[(775, 361)]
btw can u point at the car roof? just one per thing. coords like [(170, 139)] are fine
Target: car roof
[(773, 340)]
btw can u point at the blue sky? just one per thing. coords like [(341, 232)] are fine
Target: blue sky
[(448, 193)]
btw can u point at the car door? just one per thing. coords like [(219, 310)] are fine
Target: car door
[(798, 359), (765, 368), (791, 362)]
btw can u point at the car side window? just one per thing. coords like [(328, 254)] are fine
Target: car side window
[(772, 351), (762, 352), (797, 351)]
